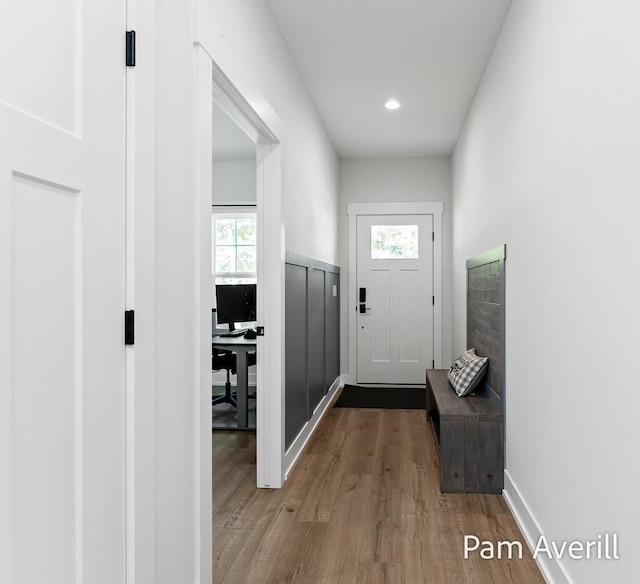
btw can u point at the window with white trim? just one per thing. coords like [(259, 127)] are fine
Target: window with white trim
[(234, 247)]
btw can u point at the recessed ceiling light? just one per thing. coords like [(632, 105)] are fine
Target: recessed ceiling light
[(392, 104)]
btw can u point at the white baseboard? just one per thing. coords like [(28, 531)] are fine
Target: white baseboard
[(220, 378), (552, 571), (294, 451)]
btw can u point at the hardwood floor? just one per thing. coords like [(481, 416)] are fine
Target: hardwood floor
[(361, 506)]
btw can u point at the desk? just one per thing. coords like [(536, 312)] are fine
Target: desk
[(240, 346)]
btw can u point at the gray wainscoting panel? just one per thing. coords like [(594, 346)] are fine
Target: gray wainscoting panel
[(316, 339), (332, 336), (312, 338), (295, 394)]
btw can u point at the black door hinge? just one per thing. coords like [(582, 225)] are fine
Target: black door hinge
[(433, 364), (131, 48), (433, 300), (433, 236), (259, 331), (129, 327)]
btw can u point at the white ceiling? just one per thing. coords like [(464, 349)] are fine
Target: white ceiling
[(354, 54)]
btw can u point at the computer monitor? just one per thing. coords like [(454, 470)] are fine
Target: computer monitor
[(235, 303)]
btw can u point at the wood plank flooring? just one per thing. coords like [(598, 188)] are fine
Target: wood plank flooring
[(361, 506)]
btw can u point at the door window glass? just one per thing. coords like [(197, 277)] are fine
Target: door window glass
[(394, 242)]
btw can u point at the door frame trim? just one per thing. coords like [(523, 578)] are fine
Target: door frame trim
[(435, 209), (270, 469), (216, 88), (140, 281)]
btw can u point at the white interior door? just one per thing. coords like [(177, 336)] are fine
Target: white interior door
[(395, 298), (62, 195)]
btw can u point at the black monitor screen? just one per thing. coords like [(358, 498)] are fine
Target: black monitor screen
[(235, 303)]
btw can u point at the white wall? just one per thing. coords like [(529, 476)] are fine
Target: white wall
[(377, 180), (234, 182), (245, 43), (548, 164)]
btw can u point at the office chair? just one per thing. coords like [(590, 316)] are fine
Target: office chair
[(221, 359)]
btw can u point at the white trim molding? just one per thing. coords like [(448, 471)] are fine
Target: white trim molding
[(202, 182), (353, 211), (552, 570), (395, 208), (233, 103), (297, 446), (140, 292)]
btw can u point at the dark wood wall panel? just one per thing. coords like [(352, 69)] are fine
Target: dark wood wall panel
[(485, 316), (312, 338)]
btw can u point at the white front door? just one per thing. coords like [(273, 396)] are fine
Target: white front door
[(395, 298), (62, 195)]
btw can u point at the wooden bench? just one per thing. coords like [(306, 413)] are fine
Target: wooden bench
[(469, 433)]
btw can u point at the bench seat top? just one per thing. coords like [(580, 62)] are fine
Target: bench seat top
[(452, 407)]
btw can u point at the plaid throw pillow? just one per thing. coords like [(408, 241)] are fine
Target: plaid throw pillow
[(466, 372)]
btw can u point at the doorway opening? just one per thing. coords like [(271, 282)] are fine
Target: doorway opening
[(265, 244), (234, 275)]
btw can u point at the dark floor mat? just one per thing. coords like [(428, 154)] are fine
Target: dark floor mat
[(400, 398)]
